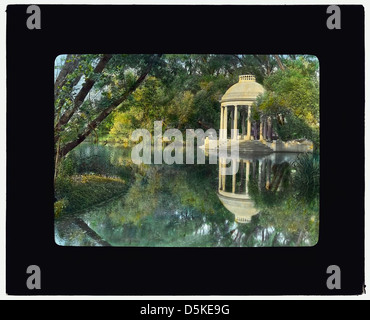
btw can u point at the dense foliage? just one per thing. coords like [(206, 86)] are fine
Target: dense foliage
[(106, 97), (292, 98)]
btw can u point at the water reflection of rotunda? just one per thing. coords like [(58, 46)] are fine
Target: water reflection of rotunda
[(233, 190), (263, 173)]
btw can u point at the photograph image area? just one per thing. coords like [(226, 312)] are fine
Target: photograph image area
[(186, 150)]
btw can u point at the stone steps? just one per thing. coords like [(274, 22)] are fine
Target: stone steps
[(254, 146)]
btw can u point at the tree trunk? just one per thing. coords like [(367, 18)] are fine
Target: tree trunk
[(70, 64), (280, 64), (79, 99), (203, 125), (300, 237), (91, 233), (58, 108), (105, 113)]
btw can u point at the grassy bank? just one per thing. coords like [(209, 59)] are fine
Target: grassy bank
[(84, 191)]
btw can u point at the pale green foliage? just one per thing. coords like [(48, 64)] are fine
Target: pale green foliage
[(292, 99), (294, 90), (59, 207)]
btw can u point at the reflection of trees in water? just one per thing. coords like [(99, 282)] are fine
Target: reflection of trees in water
[(287, 215), (170, 206), (177, 205), (269, 183), (97, 159)]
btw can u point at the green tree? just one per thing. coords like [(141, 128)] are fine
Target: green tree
[(292, 98), (108, 80)]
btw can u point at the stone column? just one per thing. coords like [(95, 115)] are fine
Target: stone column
[(269, 130), (234, 176), (268, 174), (219, 170), (261, 132), (235, 127), (249, 123), (221, 122), (231, 122), (263, 173), (223, 177), (225, 121), (259, 174)]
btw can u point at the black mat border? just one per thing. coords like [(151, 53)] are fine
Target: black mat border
[(183, 29)]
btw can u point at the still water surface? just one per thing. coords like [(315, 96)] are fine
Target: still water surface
[(192, 205)]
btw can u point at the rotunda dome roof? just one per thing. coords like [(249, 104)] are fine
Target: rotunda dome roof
[(247, 89)]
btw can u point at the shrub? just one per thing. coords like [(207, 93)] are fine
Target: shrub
[(307, 178)]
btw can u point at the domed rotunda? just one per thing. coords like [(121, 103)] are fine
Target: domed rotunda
[(236, 106)]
